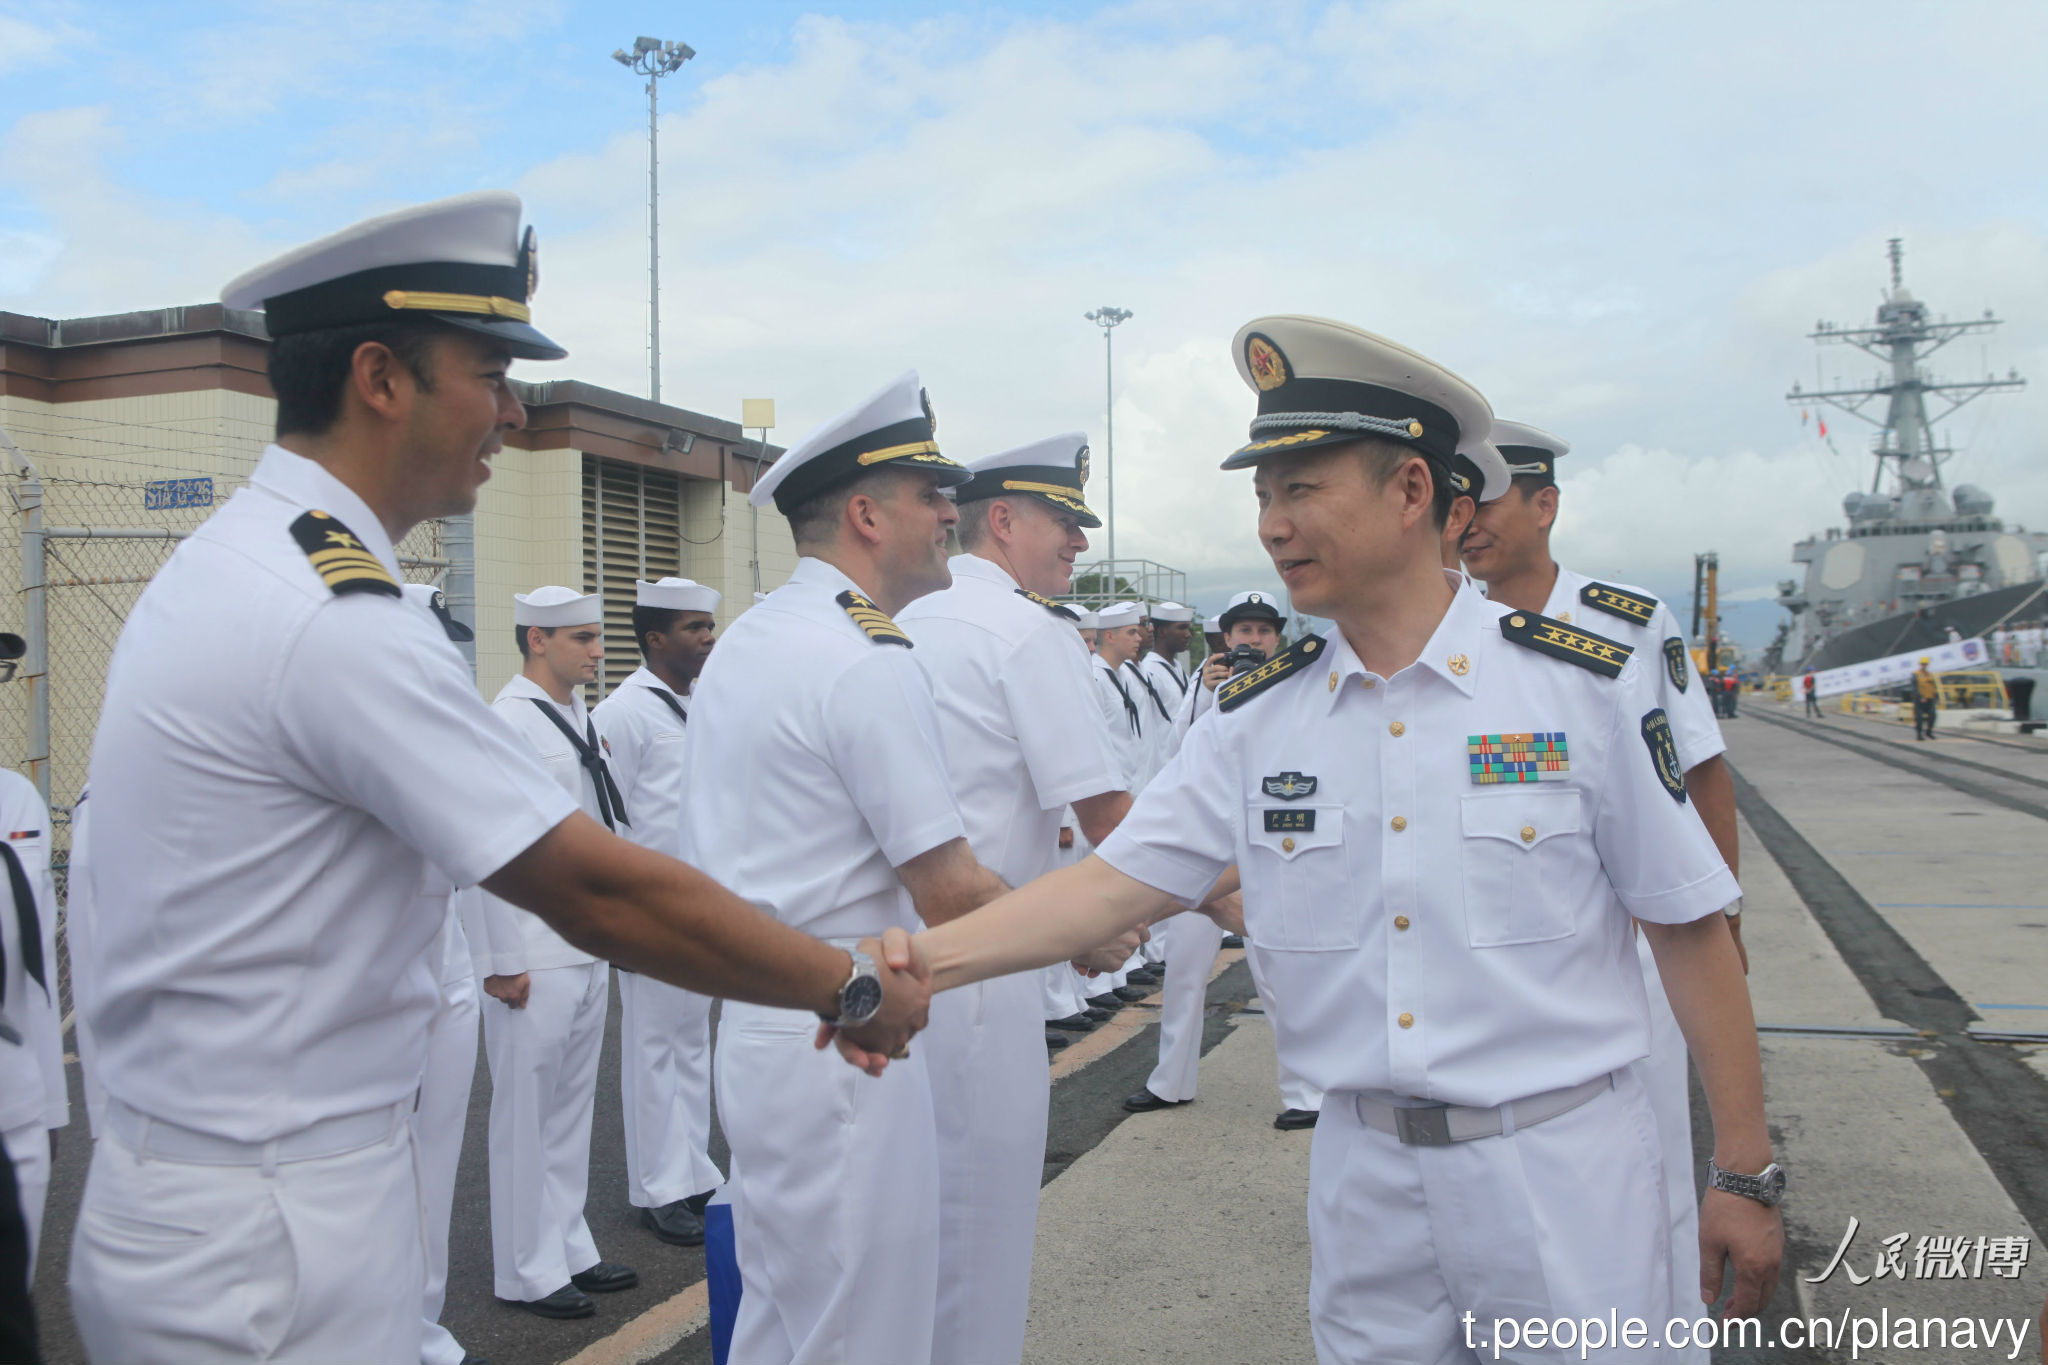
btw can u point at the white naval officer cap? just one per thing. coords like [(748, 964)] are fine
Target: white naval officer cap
[(675, 594), (435, 601), (894, 426), (1531, 453), (1119, 614), (556, 606), (1172, 611), (1250, 606), (1321, 383), (459, 261), (1053, 470)]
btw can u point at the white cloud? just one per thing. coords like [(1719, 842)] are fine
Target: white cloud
[(26, 42)]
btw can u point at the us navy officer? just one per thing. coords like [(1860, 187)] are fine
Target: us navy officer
[(1015, 705), (822, 795), (1444, 819), (265, 810)]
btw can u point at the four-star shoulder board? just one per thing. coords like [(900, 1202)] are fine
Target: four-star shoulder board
[(340, 559), (1245, 686), (1595, 653), (1061, 610), (1632, 607), (878, 624)]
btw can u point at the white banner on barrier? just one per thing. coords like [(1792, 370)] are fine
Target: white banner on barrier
[(1897, 668)]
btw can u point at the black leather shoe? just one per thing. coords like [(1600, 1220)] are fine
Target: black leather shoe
[(566, 1302), (1289, 1119), (697, 1202), (1233, 940), (1147, 976), (1095, 1016), (1144, 1102), (1073, 1023), (1128, 994), (1055, 1040), (607, 1277), (1106, 1001), (676, 1223)]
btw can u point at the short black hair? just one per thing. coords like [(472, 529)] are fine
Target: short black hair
[(1384, 458), (520, 632), (816, 517), (309, 370), (647, 619)]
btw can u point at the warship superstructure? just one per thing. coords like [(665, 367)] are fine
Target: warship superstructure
[(1917, 556)]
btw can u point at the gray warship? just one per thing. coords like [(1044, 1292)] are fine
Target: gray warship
[(1917, 557)]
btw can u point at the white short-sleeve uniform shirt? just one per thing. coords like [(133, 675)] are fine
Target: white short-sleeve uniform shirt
[(275, 766), (825, 772), (32, 1069), (1428, 934), (1121, 721), (643, 722)]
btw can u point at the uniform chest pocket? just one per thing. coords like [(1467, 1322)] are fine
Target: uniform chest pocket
[(1297, 876), (1516, 851)]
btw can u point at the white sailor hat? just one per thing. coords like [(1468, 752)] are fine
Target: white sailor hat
[(1531, 453), (1212, 626), (459, 261), (1088, 620), (895, 427), (432, 598), (1053, 470), (1250, 606), (1119, 614), (675, 594), (556, 606), (1172, 611), (1321, 383)]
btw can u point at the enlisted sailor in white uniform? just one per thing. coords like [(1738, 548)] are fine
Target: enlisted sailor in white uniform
[(822, 795), (1118, 628), (1508, 549), (1015, 713), (1444, 819), (1165, 661), (264, 812), (664, 1032)]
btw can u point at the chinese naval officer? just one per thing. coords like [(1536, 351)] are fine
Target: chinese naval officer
[(1444, 818), (265, 810)]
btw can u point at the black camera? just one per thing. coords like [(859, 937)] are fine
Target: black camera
[(1244, 658)]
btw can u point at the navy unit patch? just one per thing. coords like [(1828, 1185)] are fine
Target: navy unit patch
[(1676, 663), (1290, 786), (340, 559), (1664, 753), (1596, 653), (872, 619), (1060, 610), (1632, 607), (1291, 821), (1245, 686)]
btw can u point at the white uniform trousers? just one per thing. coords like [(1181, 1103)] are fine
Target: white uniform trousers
[(1666, 1077), (1060, 991), (665, 1088), (835, 1212), (28, 1147), (543, 1093), (1295, 1093), (312, 1261), (990, 1091), (437, 1126), (1192, 942), (1563, 1219)]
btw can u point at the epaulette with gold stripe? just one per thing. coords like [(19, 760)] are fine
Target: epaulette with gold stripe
[(340, 559), (1596, 653), (877, 623), (1064, 612), (1632, 607), (1245, 686)]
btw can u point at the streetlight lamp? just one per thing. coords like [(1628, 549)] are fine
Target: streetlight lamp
[(1107, 318), (653, 58)]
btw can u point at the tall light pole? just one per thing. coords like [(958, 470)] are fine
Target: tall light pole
[(1107, 318), (653, 58)]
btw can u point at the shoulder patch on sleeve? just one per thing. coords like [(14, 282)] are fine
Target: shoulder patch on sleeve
[(877, 623), (1595, 653), (1059, 609), (1632, 607), (1245, 686), (340, 559), (1664, 753), (1677, 663)]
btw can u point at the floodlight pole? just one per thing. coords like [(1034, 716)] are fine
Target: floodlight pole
[(1107, 319), (653, 58)]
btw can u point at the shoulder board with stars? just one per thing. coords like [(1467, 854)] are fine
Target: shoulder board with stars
[(1245, 686), (872, 619), (1060, 610), (340, 559), (1595, 653), (1632, 607)]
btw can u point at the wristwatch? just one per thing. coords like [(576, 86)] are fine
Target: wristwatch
[(1767, 1186), (1733, 909), (860, 999)]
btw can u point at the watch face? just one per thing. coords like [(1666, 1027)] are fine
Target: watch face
[(860, 1000), (1773, 1182)]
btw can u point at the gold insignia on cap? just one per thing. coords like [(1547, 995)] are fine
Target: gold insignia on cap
[(532, 253), (1460, 665), (428, 301), (1414, 427), (930, 414), (1268, 366), (1081, 467)]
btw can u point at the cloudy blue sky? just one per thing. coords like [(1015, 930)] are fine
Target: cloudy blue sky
[(1618, 220)]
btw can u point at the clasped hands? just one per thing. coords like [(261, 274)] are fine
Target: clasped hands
[(906, 978)]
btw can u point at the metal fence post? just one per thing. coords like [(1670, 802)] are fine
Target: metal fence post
[(458, 547), (35, 664)]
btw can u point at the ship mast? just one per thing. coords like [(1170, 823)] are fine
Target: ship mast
[(1904, 337)]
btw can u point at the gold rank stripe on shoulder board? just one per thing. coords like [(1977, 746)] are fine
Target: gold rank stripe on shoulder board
[(1596, 653), (877, 623), (1064, 612), (340, 559), (1629, 606), (1245, 686)]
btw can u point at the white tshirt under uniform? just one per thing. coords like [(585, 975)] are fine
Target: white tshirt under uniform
[(664, 1030), (1439, 869), (264, 811), (32, 1094), (1016, 711), (544, 1056), (824, 774)]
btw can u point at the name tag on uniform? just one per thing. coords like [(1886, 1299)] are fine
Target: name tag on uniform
[(1540, 756), (1290, 822)]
